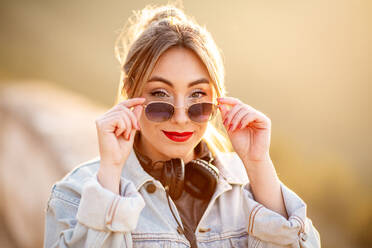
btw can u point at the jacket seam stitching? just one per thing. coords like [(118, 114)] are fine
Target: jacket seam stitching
[(83, 165), (62, 197), (254, 217), (299, 221), (302, 223), (238, 235), (157, 239), (109, 214), (257, 242), (250, 217)]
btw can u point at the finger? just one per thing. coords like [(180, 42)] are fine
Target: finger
[(121, 108), (229, 100), (131, 116), (120, 126), (111, 124), (137, 111), (249, 118), (117, 123), (112, 114), (224, 110), (231, 114), (132, 134), (133, 102), (128, 124), (124, 118), (232, 101), (237, 119)]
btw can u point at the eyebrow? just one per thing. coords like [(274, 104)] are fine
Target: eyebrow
[(160, 79)]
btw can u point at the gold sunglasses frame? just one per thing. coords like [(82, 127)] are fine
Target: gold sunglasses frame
[(214, 111)]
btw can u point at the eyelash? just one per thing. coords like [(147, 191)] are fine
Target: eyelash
[(155, 93), (201, 92)]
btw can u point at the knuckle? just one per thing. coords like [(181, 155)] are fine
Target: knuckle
[(120, 121), (129, 114), (237, 117), (123, 123), (119, 108), (123, 115), (123, 107)]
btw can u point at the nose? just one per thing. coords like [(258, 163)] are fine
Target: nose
[(180, 116)]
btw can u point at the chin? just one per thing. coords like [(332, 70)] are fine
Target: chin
[(177, 150)]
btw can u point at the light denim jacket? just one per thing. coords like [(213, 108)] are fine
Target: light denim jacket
[(82, 213)]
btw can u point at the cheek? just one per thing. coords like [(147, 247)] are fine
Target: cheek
[(201, 129), (145, 124), (149, 128)]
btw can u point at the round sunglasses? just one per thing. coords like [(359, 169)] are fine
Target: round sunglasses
[(162, 111)]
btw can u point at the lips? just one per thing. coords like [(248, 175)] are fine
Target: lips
[(178, 137)]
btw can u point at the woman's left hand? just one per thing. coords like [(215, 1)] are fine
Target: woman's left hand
[(249, 130)]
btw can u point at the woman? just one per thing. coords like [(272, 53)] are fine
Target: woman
[(166, 176)]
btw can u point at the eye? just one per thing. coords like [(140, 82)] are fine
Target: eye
[(159, 93), (198, 94)]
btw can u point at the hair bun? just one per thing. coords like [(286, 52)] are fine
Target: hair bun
[(140, 21), (163, 13)]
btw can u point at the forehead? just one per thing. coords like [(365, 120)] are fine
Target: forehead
[(180, 66)]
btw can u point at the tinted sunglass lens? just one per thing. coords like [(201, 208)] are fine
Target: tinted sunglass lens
[(159, 111), (201, 112)]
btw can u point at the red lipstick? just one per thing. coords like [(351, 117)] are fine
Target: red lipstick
[(178, 137)]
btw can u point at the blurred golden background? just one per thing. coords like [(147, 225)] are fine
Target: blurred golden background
[(306, 64)]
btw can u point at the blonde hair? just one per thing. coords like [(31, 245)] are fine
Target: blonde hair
[(147, 35)]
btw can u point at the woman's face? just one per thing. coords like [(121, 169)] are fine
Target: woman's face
[(180, 78)]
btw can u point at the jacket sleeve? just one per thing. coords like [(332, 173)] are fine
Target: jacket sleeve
[(274, 230), (98, 219)]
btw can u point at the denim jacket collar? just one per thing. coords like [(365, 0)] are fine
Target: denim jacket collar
[(229, 167), (134, 172)]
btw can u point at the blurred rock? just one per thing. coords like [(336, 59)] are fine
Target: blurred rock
[(44, 132)]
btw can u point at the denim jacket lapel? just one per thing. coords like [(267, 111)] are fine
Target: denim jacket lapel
[(134, 172)]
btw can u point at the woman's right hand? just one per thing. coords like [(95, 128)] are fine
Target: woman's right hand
[(116, 130)]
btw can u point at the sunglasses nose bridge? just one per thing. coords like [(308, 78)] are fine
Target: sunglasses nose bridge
[(180, 115), (176, 107)]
